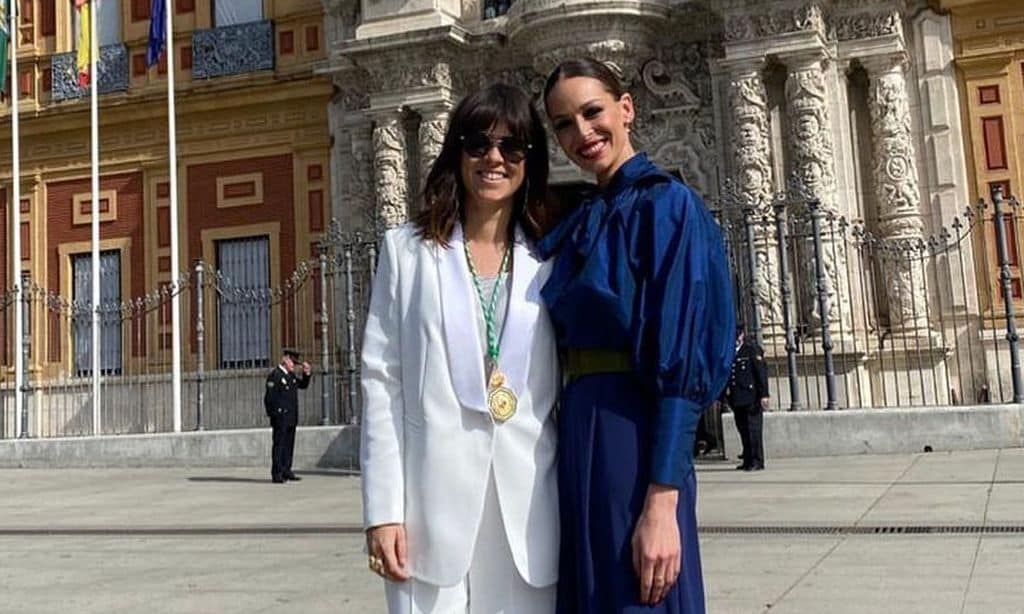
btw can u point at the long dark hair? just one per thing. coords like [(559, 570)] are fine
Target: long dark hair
[(443, 194)]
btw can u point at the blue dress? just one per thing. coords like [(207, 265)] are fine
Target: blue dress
[(639, 267)]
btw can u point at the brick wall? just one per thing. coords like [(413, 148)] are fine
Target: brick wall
[(60, 229)]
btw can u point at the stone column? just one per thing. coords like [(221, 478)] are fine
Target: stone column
[(356, 203), (433, 124), (812, 155), (752, 180), (899, 198), (390, 172)]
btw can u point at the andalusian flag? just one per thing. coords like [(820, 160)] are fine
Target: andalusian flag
[(5, 40), (84, 41)]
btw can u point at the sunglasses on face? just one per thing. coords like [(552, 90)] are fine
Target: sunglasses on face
[(513, 149)]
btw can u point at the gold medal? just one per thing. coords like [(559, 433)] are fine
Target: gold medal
[(501, 401)]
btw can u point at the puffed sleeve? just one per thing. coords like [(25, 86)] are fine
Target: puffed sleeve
[(684, 319), (382, 434)]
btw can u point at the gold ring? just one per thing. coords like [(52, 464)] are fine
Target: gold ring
[(376, 564)]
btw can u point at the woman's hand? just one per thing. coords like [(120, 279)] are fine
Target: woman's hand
[(657, 550), (388, 542)]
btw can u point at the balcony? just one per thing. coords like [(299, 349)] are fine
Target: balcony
[(112, 67), (233, 50)]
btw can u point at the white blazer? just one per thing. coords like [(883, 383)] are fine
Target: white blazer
[(428, 443)]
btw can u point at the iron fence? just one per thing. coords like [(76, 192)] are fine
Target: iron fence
[(232, 333), (857, 315), (851, 314)]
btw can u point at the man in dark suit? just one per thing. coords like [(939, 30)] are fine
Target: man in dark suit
[(746, 394), (281, 401)]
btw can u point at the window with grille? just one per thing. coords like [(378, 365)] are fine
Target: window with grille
[(110, 312), (232, 12), (243, 302)]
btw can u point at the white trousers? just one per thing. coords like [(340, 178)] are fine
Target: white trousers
[(493, 585)]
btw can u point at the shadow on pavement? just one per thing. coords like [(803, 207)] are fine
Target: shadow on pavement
[(214, 478)]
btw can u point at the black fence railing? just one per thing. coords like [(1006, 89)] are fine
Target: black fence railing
[(853, 314)]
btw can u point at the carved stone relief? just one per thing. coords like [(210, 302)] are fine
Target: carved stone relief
[(864, 25), (764, 24), (813, 157), (895, 178), (751, 150), (390, 174), (431, 137)]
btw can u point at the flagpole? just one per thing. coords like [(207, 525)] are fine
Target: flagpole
[(172, 154), (94, 79), (20, 416)]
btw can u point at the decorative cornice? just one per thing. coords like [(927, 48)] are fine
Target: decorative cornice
[(766, 24)]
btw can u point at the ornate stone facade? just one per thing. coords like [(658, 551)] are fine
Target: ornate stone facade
[(896, 185), (744, 100)]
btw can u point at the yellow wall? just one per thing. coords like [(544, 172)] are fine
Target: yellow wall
[(989, 51)]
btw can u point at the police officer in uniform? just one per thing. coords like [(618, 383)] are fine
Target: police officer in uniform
[(746, 394), (281, 401)]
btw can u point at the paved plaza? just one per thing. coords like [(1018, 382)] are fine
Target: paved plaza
[(928, 533)]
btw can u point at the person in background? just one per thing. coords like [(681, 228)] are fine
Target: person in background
[(281, 402), (747, 394)]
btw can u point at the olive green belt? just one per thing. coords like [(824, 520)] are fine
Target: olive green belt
[(578, 362)]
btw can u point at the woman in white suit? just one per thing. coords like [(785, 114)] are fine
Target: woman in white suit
[(460, 378)]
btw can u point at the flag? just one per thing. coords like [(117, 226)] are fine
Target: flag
[(5, 39), (84, 41), (157, 32)]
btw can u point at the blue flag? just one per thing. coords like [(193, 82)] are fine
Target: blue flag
[(157, 32)]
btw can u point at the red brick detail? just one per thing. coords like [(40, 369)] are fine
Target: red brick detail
[(165, 340), (161, 64), (26, 205), (139, 67), (240, 190), (27, 13), (164, 264), (286, 42), (1011, 240), (314, 172), (140, 10), (316, 210), (86, 206), (277, 206), (312, 38), (163, 189), (60, 229), (26, 241), (988, 94), (185, 6), (163, 226), (26, 84), (47, 17), (186, 58), (47, 83), (995, 142)]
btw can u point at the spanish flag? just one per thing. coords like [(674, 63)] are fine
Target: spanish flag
[(84, 41)]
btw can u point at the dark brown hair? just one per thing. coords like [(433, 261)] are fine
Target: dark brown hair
[(584, 67), (443, 193)]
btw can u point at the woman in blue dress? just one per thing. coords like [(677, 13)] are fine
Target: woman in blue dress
[(641, 299)]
